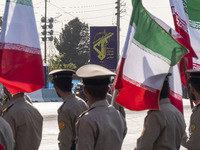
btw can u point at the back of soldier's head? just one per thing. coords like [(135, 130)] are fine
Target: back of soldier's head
[(95, 79), (97, 87), (194, 79), (62, 78), (165, 89)]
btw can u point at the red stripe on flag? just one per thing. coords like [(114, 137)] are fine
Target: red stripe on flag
[(117, 84), (176, 100), (136, 98), (21, 71)]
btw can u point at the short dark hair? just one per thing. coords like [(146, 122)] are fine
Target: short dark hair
[(64, 84), (195, 82), (98, 92), (165, 89)]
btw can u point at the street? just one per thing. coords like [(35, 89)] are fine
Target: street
[(134, 123)]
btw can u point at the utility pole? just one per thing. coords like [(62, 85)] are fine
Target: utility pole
[(45, 36), (118, 27), (45, 26)]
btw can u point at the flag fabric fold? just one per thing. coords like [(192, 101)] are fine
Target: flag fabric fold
[(181, 23), (21, 67), (148, 55), (193, 12)]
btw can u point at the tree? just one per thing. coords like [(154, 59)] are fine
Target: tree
[(73, 43), (55, 62)]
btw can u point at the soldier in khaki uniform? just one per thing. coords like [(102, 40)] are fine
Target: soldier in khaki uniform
[(164, 128), (69, 111), (6, 135), (192, 142), (25, 120), (102, 127)]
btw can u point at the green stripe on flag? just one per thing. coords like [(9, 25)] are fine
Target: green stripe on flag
[(22, 2), (152, 38), (194, 10), (193, 7)]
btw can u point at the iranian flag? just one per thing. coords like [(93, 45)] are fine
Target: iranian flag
[(181, 24), (186, 18), (193, 7), (21, 68), (148, 55)]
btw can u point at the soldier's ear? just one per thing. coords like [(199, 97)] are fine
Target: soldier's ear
[(85, 90), (72, 85)]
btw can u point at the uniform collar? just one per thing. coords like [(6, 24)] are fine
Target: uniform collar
[(101, 103), (19, 99), (71, 96), (196, 107)]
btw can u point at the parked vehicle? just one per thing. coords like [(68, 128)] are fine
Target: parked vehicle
[(79, 91)]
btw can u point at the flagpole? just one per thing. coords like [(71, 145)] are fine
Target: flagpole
[(186, 78), (45, 36), (114, 97)]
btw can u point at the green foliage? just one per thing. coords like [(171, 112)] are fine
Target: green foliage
[(55, 62), (73, 44)]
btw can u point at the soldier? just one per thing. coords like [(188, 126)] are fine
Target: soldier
[(25, 120), (6, 101), (164, 128), (192, 142), (6, 135), (102, 127), (69, 111)]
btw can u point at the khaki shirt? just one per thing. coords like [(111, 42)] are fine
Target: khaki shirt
[(117, 106), (192, 142), (68, 113), (6, 135), (102, 127), (26, 123), (163, 129)]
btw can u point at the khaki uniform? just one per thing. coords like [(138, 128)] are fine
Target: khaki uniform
[(163, 129), (102, 127), (192, 143), (68, 113), (6, 135), (117, 106), (26, 123), (8, 102)]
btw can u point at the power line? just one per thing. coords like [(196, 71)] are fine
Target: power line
[(66, 12), (61, 9), (93, 10), (93, 5), (98, 17)]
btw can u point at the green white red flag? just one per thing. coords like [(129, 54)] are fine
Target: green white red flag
[(193, 7), (187, 22), (181, 24), (174, 80), (148, 55), (21, 67)]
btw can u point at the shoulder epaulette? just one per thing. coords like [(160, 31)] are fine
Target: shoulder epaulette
[(6, 109), (81, 115)]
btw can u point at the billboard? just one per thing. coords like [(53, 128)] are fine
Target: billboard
[(103, 46)]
